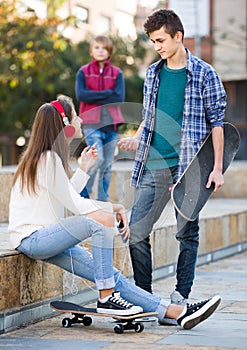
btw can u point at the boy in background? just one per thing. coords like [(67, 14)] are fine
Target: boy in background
[(98, 85)]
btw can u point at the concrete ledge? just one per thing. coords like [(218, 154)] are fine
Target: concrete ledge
[(235, 185), (28, 286), (6, 179), (120, 191)]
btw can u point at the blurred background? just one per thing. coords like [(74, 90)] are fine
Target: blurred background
[(44, 42)]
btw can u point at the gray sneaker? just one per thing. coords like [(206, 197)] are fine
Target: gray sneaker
[(177, 298), (166, 321)]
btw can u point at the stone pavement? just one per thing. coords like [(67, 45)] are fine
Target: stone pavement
[(226, 329)]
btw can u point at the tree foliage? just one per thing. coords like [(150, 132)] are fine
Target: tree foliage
[(37, 63)]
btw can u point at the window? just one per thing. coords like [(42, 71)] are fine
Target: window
[(81, 13), (104, 24)]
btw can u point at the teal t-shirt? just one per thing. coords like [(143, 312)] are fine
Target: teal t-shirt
[(165, 144)]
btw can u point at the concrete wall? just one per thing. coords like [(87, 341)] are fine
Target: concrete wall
[(28, 286)]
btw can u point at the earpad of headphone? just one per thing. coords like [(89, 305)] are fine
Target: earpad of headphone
[(69, 131)]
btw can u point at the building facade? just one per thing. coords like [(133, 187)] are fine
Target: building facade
[(222, 42)]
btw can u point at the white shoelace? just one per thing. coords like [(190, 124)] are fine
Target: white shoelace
[(120, 301)]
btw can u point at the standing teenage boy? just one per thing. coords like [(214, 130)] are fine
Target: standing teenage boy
[(183, 100), (98, 86)]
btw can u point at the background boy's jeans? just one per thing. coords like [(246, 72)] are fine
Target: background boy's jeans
[(106, 145), (58, 245), (151, 197)]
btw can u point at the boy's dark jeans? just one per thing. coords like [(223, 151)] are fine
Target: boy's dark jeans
[(151, 198)]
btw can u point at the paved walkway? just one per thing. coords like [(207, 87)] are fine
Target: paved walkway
[(226, 329)]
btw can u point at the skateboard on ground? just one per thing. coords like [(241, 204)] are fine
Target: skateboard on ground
[(190, 194), (80, 315)]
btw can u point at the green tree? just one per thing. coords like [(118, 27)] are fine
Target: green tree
[(52, 6), (37, 63)]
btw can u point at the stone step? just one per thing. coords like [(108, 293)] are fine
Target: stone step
[(28, 286)]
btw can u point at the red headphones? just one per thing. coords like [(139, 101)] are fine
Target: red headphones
[(69, 129)]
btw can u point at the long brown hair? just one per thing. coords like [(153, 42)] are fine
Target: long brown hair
[(47, 135)]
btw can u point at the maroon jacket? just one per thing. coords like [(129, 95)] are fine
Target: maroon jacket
[(89, 80)]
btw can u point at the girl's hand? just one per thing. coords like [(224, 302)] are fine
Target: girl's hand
[(122, 219), (88, 157)]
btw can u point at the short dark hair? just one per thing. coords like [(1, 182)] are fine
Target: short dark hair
[(162, 17)]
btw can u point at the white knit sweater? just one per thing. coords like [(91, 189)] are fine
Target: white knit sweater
[(29, 212)]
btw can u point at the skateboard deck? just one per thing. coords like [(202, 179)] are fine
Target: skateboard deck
[(80, 315), (190, 194)]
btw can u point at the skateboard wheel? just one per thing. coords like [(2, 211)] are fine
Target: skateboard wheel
[(119, 329), (66, 322), (87, 321), (139, 327)]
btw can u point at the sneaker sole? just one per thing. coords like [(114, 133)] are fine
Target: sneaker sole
[(117, 312), (202, 314)]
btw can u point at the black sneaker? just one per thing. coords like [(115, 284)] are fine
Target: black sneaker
[(116, 305), (196, 313)]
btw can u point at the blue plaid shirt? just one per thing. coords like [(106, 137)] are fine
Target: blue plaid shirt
[(204, 108)]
